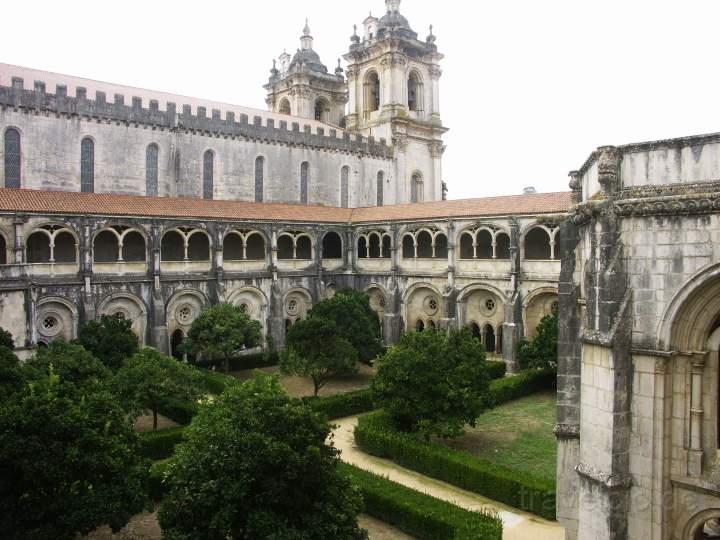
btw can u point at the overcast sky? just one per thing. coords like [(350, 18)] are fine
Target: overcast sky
[(529, 88)]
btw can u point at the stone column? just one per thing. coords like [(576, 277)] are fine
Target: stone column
[(18, 222), (695, 452), (86, 272), (159, 334), (513, 327)]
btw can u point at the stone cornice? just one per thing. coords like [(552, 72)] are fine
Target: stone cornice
[(567, 431)]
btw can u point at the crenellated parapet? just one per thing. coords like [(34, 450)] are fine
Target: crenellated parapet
[(184, 120)]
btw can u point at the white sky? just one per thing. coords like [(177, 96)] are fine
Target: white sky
[(529, 88)]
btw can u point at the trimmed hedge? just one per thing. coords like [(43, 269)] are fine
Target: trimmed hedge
[(375, 435), (161, 444), (245, 361), (522, 384), (496, 370), (179, 411), (420, 515), (341, 405), (156, 489)]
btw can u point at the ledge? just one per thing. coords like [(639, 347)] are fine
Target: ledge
[(606, 481)]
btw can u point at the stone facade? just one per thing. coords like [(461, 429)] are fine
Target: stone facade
[(638, 365)]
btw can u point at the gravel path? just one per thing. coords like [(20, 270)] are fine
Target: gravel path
[(517, 525)]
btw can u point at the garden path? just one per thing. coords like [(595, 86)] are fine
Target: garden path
[(517, 525)]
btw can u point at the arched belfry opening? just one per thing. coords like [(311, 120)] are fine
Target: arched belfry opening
[(372, 91)]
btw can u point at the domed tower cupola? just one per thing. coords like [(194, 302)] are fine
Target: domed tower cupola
[(306, 88), (394, 82)]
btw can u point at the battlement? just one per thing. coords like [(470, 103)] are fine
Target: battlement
[(259, 127)]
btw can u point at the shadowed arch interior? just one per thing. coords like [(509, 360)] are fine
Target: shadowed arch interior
[(537, 244), (172, 247), (199, 247), (106, 247), (332, 246), (133, 249)]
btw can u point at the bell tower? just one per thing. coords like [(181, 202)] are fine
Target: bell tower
[(393, 82), (303, 87)]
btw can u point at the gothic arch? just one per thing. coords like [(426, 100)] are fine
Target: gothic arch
[(130, 307), (182, 309), (422, 303), (253, 302), (55, 318), (694, 527), (536, 305), (296, 304)]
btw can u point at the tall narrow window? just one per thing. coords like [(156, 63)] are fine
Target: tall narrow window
[(380, 187), (372, 92), (208, 163), (304, 173), (259, 178), (151, 170), (285, 107), (344, 187), (414, 90), (87, 165), (12, 158), (416, 189)]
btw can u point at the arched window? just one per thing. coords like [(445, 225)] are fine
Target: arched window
[(467, 249), (441, 247), (208, 174), (419, 325), (304, 179), (255, 247), (416, 189), (151, 170), (408, 247), (38, 248), (537, 244), (489, 338), (259, 178), (133, 248), (502, 246), (380, 187), (372, 92), (12, 158), (414, 90), (172, 247), (233, 247), (176, 341), (344, 187), (106, 247), (362, 248), (65, 250), (374, 246), (285, 107), (198, 248), (332, 246), (303, 248), (484, 245), (87, 165), (424, 248), (386, 247), (3, 250), (286, 248), (476, 331), (321, 110)]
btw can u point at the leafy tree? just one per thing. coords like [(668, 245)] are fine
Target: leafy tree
[(433, 382), (315, 349), (70, 362), (255, 465), (6, 339), (223, 331), (148, 380), (10, 373), (541, 352), (111, 340), (70, 458), (356, 321)]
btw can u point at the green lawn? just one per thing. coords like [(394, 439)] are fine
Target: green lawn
[(518, 434)]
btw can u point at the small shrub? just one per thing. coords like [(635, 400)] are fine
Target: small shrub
[(541, 352), (161, 444), (522, 384), (496, 370), (111, 340), (342, 405)]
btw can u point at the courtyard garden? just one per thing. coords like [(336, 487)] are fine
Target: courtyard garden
[(432, 404)]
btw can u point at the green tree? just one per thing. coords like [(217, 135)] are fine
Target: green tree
[(149, 380), (541, 351), (223, 331), (433, 382), (70, 362), (6, 339), (111, 340), (356, 321), (70, 459), (255, 465), (10, 373), (315, 349)]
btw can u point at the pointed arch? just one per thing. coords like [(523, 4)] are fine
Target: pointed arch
[(259, 179), (151, 170), (13, 158), (208, 174), (87, 165)]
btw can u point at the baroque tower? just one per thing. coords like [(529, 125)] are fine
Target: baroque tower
[(303, 87), (393, 81)]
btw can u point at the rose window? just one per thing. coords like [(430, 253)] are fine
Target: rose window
[(185, 314), (49, 323)]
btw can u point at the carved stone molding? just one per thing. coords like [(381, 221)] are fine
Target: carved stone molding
[(669, 206), (435, 72), (609, 168), (604, 480), (567, 431), (400, 141), (437, 148)]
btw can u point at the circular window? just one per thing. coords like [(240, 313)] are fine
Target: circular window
[(50, 324), (293, 306), (555, 307), (244, 307), (184, 314), (431, 305), (488, 306)]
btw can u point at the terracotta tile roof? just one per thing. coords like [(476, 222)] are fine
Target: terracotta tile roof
[(537, 203), (73, 203)]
